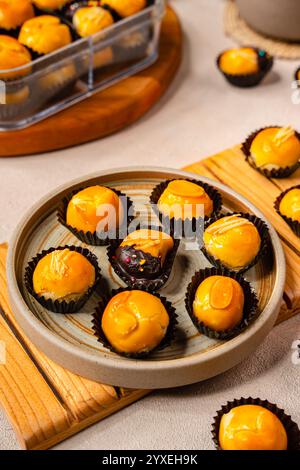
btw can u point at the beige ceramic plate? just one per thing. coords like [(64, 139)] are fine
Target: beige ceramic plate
[(69, 339)]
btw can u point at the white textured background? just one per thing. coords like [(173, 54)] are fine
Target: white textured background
[(199, 116)]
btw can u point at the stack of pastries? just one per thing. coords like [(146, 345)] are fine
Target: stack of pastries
[(34, 28)]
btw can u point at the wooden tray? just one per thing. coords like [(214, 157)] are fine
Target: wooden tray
[(46, 403), (106, 112)]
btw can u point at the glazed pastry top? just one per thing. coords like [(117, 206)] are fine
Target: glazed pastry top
[(233, 240), (91, 19), (154, 242), (252, 427), (180, 193), (135, 322), (126, 8), (239, 61), (14, 13), (219, 303), (44, 34), (13, 54), (276, 147), (63, 275), (290, 204), (95, 208)]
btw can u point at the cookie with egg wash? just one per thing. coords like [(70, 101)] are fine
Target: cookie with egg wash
[(134, 323), (254, 424), (221, 303), (287, 206), (62, 279), (244, 67), (95, 214), (273, 151), (235, 241), (183, 204)]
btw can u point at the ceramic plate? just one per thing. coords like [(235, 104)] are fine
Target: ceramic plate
[(69, 339)]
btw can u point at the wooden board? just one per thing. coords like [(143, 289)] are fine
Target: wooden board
[(109, 110), (230, 168), (46, 403)]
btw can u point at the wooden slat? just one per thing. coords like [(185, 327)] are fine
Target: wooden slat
[(229, 167), (45, 402)]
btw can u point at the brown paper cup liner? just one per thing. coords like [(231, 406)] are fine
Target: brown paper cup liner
[(97, 320), (178, 225), (294, 224), (62, 306), (265, 242), (149, 285), (290, 426), (275, 173), (265, 62), (88, 237), (250, 306)]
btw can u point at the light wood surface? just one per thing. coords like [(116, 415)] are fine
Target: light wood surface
[(230, 167), (109, 110), (44, 402)]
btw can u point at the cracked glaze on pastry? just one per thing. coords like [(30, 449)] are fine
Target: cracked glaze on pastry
[(276, 147), (135, 322), (45, 34), (219, 303), (63, 275), (233, 240), (95, 208), (184, 199), (251, 427), (239, 61)]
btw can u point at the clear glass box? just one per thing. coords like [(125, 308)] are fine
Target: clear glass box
[(77, 71)]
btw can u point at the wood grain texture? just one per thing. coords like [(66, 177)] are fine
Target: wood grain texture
[(44, 402), (229, 167), (109, 110)]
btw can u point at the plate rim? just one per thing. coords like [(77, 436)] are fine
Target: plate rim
[(29, 321)]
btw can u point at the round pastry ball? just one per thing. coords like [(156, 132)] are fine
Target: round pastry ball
[(63, 275), (126, 8), (219, 303), (13, 54), (184, 199), (135, 322), (252, 427), (91, 19), (13, 13), (239, 61), (50, 5), (275, 147), (290, 204), (95, 208), (233, 240), (143, 252), (45, 34)]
